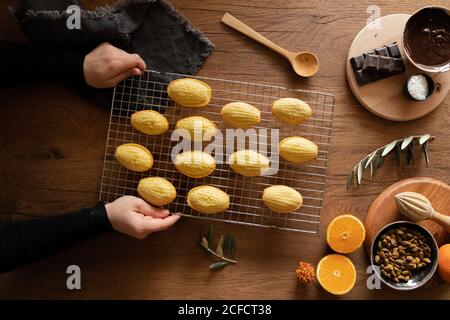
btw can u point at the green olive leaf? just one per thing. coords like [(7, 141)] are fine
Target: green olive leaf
[(205, 242), (398, 153), (232, 247), (379, 161), (424, 139), (218, 265), (388, 148), (425, 151), (371, 171), (349, 180), (410, 154), (407, 142), (360, 173), (227, 244), (219, 249), (371, 157)]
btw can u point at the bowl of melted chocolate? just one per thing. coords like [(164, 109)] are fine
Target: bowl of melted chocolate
[(426, 39)]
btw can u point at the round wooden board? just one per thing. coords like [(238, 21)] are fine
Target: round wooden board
[(384, 209), (386, 97)]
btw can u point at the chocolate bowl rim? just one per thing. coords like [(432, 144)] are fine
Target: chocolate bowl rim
[(422, 67)]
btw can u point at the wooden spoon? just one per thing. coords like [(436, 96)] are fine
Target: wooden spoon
[(417, 207), (304, 63)]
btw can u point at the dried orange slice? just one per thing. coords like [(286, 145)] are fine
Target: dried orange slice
[(336, 274), (345, 233)]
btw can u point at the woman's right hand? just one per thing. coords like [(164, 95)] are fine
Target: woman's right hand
[(135, 217)]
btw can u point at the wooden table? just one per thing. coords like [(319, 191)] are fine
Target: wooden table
[(52, 145)]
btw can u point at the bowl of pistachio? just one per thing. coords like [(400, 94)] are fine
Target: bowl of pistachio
[(404, 255)]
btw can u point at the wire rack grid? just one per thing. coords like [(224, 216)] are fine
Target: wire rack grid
[(246, 207)]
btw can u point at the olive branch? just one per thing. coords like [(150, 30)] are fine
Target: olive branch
[(225, 250), (374, 160)]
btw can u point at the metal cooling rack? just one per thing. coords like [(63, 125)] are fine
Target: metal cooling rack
[(149, 92)]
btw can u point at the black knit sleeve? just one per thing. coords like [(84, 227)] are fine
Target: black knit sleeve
[(25, 242), (21, 63)]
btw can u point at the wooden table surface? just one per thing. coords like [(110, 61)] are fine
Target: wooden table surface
[(52, 144)]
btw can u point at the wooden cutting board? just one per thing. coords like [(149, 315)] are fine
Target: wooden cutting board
[(386, 98), (384, 209)]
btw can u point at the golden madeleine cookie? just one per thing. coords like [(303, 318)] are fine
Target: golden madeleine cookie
[(189, 92), (195, 164), (208, 199), (282, 199), (240, 115), (149, 122), (157, 191), (249, 163), (298, 150), (134, 157), (291, 110), (199, 128)]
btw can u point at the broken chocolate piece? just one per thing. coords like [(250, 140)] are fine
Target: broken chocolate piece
[(371, 62), (398, 65), (385, 64), (382, 51), (393, 50), (357, 62)]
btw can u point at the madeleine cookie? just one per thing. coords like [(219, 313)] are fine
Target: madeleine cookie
[(189, 92), (198, 128), (249, 163), (134, 157), (291, 110), (149, 122), (298, 150), (282, 199), (207, 199), (195, 164), (240, 115), (157, 191)]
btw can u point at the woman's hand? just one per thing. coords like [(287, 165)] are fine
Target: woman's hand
[(106, 66), (135, 217)]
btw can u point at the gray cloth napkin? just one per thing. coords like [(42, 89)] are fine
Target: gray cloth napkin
[(153, 28)]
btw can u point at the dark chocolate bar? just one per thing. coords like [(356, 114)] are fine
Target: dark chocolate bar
[(377, 64)]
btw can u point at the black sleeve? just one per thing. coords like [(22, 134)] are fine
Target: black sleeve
[(25, 242), (21, 63)]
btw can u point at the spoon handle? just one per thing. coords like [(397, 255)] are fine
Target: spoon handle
[(234, 23), (442, 219)]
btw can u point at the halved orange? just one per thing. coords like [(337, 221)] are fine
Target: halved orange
[(345, 233), (336, 274)]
